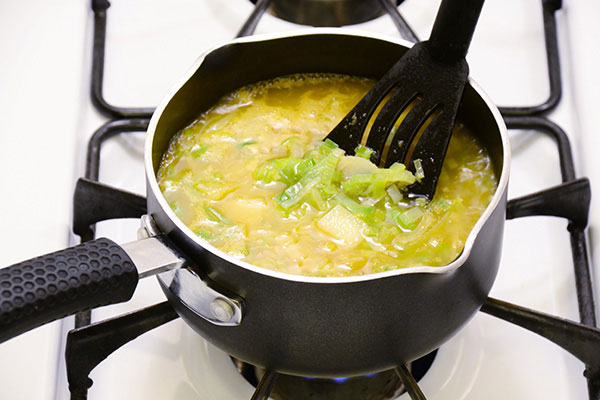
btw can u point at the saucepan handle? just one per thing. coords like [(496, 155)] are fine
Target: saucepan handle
[(52, 286)]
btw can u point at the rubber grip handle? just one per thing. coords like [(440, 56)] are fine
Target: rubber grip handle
[(52, 286)]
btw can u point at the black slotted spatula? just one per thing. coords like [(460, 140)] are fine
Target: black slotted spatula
[(428, 83)]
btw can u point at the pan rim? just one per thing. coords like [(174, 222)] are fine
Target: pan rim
[(152, 183)]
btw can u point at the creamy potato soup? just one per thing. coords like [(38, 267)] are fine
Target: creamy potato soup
[(253, 177)]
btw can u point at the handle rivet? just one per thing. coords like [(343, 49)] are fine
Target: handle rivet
[(222, 310)]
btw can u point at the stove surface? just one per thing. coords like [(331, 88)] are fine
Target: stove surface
[(48, 118)]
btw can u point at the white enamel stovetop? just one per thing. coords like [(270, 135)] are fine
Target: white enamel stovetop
[(46, 119)]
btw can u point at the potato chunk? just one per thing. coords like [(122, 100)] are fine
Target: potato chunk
[(342, 225)]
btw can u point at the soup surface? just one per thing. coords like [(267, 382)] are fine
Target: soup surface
[(253, 177)]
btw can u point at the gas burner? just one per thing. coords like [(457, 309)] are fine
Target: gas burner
[(385, 385), (326, 12)]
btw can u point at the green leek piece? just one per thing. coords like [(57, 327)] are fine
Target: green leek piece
[(205, 234), (421, 201), (272, 169), (394, 193), (386, 267), (354, 165), (378, 188), (407, 218), (337, 176), (398, 174), (353, 206), (357, 184), (266, 173), (376, 219), (375, 184), (198, 150), (315, 199), (269, 171), (327, 190), (216, 216), (232, 240), (363, 151), (327, 146), (314, 179), (288, 170), (440, 205), (293, 171), (321, 174), (289, 142), (245, 143), (285, 169), (387, 233), (293, 145), (288, 195), (419, 172)]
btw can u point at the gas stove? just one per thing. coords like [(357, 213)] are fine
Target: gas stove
[(54, 55)]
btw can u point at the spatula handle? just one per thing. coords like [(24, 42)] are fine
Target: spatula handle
[(453, 29)]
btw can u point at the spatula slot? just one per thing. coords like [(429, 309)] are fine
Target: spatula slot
[(396, 141), (410, 130), (390, 115)]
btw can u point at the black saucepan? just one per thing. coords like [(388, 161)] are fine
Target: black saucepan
[(293, 324)]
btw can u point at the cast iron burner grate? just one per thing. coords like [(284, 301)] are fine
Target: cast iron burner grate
[(89, 344)]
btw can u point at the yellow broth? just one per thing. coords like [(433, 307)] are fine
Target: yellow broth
[(212, 175)]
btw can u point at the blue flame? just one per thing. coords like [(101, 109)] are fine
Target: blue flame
[(343, 379), (339, 380)]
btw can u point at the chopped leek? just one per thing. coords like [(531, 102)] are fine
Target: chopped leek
[(321, 174), (363, 151), (420, 201), (279, 169), (288, 170), (408, 218), (327, 146), (246, 143), (394, 193), (375, 184), (199, 149), (324, 178), (353, 206), (357, 184), (315, 199), (440, 205), (216, 216), (295, 170), (419, 172), (353, 165), (205, 234)]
